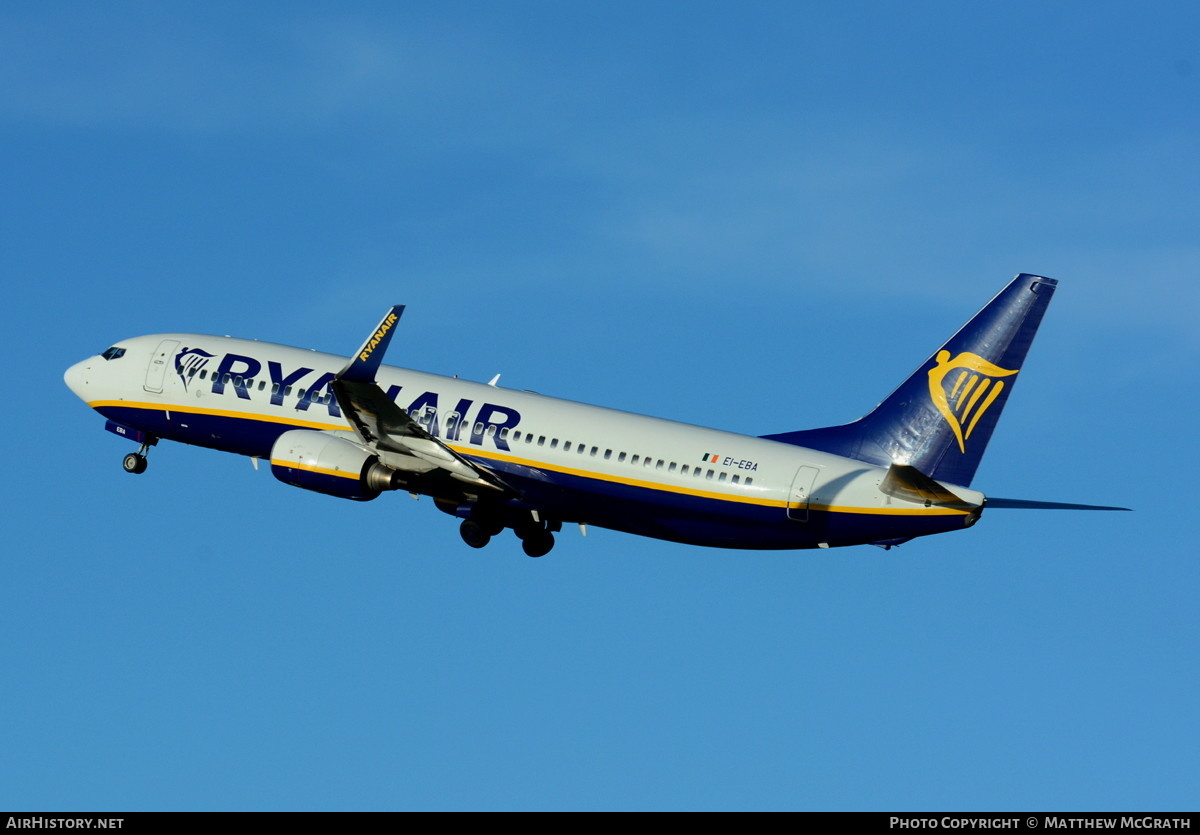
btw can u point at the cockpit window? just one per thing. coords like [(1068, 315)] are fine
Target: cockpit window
[(113, 353)]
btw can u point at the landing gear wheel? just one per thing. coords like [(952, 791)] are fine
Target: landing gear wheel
[(134, 463), (473, 534), (538, 544)]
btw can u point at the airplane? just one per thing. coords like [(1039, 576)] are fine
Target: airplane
[(498, 458)]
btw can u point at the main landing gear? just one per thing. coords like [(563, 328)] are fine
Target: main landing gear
[(536, 539), (135, 462), (476, 534), (537, 542)]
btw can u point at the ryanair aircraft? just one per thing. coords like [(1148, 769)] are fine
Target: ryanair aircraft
[(497, 458)]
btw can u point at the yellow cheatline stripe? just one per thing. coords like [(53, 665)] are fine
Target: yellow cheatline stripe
[(539, 465), (196, 410), (704, 494), (280, 462), (891, 511), (653, 485)]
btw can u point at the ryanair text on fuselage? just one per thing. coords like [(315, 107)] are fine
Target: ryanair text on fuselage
[(467, 420)]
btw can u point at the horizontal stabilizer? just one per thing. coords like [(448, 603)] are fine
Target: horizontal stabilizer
[(1026, 504), (911, 485)]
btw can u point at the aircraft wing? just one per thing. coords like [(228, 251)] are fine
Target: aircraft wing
[(383, 426)]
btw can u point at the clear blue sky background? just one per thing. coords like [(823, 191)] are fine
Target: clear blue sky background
[(757, 216)]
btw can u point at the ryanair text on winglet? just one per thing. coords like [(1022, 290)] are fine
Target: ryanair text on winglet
[(378, 336)]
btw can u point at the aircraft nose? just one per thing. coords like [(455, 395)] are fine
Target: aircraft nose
[(76, 378)]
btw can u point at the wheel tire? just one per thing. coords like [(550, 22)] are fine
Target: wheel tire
[(473, 534), (134, 463), (538, 545)]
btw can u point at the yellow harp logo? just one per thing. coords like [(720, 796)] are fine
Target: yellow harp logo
[(963, 398)]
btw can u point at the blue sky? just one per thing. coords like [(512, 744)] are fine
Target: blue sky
[(759, 217)]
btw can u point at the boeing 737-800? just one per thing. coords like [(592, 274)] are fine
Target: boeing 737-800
[(498, 458)]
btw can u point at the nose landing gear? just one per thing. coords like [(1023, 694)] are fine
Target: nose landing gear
[(135, 462)]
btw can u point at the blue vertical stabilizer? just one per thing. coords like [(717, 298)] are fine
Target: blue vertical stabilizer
[(940, 419)]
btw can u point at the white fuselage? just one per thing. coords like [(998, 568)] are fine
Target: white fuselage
[(571, 461)]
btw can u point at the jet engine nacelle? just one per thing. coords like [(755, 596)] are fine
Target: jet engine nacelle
[(328, 464)]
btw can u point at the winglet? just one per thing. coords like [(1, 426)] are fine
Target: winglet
[(366, 361)]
